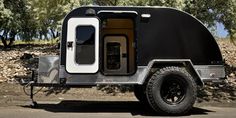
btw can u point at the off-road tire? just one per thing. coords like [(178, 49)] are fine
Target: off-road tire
[(154, 90)]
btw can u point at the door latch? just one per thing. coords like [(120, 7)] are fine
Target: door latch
[(70, 44)]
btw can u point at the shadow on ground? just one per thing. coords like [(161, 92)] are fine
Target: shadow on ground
[(133, 107)]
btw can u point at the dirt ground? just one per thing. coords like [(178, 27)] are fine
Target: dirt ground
[(13, 95)]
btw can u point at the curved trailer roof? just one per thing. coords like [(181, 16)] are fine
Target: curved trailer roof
[(168, 34)]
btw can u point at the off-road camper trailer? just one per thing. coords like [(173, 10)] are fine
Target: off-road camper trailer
[(165, 53)]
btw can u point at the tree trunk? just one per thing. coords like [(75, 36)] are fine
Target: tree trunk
[(4, 39), (58, 34), (4, 42), (53, 34), (12, 39), (40, 35)]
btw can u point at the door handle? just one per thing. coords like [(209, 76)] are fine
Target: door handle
[(70, 44)]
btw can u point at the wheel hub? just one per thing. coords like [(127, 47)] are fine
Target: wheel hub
[(173, 90)]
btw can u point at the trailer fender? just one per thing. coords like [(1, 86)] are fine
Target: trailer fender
[(158, 63)]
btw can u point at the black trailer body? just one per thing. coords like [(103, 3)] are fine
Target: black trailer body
[(152, 48), (174, 32)]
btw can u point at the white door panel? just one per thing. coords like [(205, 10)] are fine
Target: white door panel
[(71, 65)]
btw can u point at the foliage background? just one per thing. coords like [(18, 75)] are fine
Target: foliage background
[(42, 19)]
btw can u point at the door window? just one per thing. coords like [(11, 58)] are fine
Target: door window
[(85, 45)]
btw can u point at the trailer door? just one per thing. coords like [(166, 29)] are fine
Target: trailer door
[(82, 53)]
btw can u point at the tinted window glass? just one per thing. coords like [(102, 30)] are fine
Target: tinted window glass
[(85, 44), (85, 35)]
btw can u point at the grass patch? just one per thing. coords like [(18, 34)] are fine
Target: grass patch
[(36, 41)]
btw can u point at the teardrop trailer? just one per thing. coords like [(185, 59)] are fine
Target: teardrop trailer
[(163, 52)]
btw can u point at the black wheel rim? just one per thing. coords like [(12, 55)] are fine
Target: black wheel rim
[(173, 89)]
